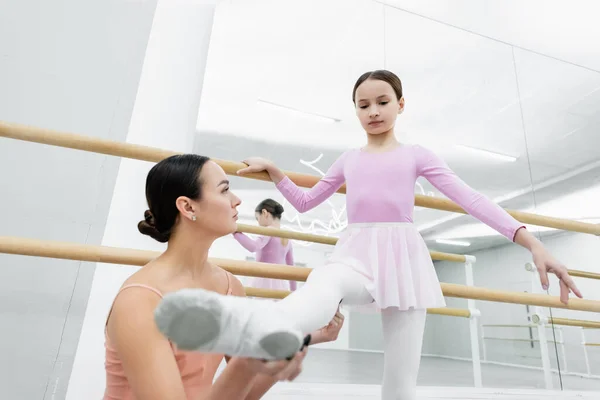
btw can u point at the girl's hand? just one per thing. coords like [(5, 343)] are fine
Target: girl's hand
[(546, 263), (255, 164), (330, 332)]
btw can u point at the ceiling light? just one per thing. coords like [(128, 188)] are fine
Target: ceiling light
[(453, 242), (311, 115), (487, 153)]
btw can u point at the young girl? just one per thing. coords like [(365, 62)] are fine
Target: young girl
[(381, 257), (190, 206), (269, 249)]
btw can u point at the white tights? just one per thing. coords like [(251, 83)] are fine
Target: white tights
[(315, 303)]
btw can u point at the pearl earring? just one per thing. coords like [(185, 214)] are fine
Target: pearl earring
[(193, 217)]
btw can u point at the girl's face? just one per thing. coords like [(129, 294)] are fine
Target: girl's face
[(377, 106)]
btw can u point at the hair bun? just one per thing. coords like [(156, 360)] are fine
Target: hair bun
[(148, 227), (149, 217)]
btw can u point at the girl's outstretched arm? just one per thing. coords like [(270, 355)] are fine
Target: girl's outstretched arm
[(302, 200), (436, 171)]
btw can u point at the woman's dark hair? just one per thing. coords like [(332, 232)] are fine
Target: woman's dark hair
[(272, 207), (175, 176), (380, 75)]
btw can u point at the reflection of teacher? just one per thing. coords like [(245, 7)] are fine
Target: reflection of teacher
[(269, 249)]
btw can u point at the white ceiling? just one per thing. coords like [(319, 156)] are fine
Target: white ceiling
[(518, 78), (549, 27)]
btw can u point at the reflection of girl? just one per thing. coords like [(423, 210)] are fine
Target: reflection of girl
[(269, 249)]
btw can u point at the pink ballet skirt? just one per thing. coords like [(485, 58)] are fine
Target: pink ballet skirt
[(394, 260)]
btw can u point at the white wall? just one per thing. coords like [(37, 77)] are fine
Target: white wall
[(503, 268), (164, 116), (73, 66)]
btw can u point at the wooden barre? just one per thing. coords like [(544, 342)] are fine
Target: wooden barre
[(146, 153), (113, 255), (308, 237), (553, 321), (282, 233), (519, 340), (574, 322), (584, 274), (572, 272), (280, 294), (508, 326)]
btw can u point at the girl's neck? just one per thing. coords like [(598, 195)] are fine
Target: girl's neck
[(276, 224), (381, 142)]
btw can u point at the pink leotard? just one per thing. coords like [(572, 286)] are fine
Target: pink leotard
[(269, 250), (380, 188), (197, 370)]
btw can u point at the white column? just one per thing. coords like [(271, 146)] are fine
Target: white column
[(541, 327), (563, 348), (164, 115), (473, 324), (483, 344), (545, 356), (585, 353)]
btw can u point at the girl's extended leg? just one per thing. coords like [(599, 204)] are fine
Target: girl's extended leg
[(204, 321), (403, 340), (316, 302)]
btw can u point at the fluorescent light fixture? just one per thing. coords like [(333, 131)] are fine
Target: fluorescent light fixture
[(453, 242), (311, 115), (487, 153)]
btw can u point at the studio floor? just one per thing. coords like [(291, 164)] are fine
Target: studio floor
[(334, 374)]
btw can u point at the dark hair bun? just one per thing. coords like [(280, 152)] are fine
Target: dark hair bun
[(273, 207), (148, 227), (279, 209), (149, 217)]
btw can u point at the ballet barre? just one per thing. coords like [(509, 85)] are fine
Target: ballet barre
[(115, 255), (519, 340), (573, 272), (147, 153), (508, 325), (584, 274), (570, 322)]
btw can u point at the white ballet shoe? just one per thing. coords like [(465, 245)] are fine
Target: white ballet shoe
[(208, 322)]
